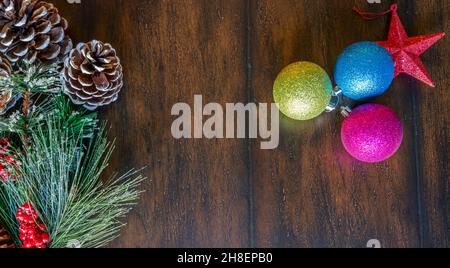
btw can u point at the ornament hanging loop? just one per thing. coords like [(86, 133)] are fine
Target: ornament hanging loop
[(372, 15)]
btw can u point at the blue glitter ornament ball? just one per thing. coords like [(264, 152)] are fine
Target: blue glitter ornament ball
[(364, 70)]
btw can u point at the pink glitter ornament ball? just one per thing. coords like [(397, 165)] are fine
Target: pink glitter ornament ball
[(372, 133)]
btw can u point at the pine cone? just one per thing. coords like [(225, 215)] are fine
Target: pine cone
[(7, 99), (32, 30), (5, 239), (93, 75)]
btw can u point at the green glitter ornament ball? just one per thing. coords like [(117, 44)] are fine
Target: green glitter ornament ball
[(302, 90)]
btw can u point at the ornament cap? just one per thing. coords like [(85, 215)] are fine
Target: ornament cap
[(346, 111), (335, 99)]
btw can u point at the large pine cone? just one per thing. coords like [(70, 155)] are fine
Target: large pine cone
[(5, 239), (32, 30), (7, 99), (93, 75)]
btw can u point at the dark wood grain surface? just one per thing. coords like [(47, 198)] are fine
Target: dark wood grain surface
[(307, 193)]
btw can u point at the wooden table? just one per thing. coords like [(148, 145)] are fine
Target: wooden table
[(307, 193)]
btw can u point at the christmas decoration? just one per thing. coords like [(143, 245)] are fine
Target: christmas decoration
[(93, 75), (66, 158), (60, 150), (364, 70), (302, 90), (32, 30), (406, 50), (8, 162), (32, 231), (5, 239), (372, 133)]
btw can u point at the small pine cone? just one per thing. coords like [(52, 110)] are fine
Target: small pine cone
[(5, 239), (93, 75), (7, 99), (33, 30)]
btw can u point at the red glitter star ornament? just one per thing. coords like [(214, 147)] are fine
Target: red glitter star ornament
[(405, 51)]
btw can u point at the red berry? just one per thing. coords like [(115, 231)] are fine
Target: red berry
[(27, 244), (32, 231), (41, 246), (22, 236), (33, 236), (20, 216), (28, 220), (9, 159), (45, 238), (27, 207), (36, 241), (41, 226)]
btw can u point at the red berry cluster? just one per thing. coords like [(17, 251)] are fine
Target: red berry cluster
[(8, 164), (32, 232)]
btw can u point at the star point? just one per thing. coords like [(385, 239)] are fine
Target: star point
[(405, 51)]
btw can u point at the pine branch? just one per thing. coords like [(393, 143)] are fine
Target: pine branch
[(28, 82), (61, 175), (34, 79), (73, 118)]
